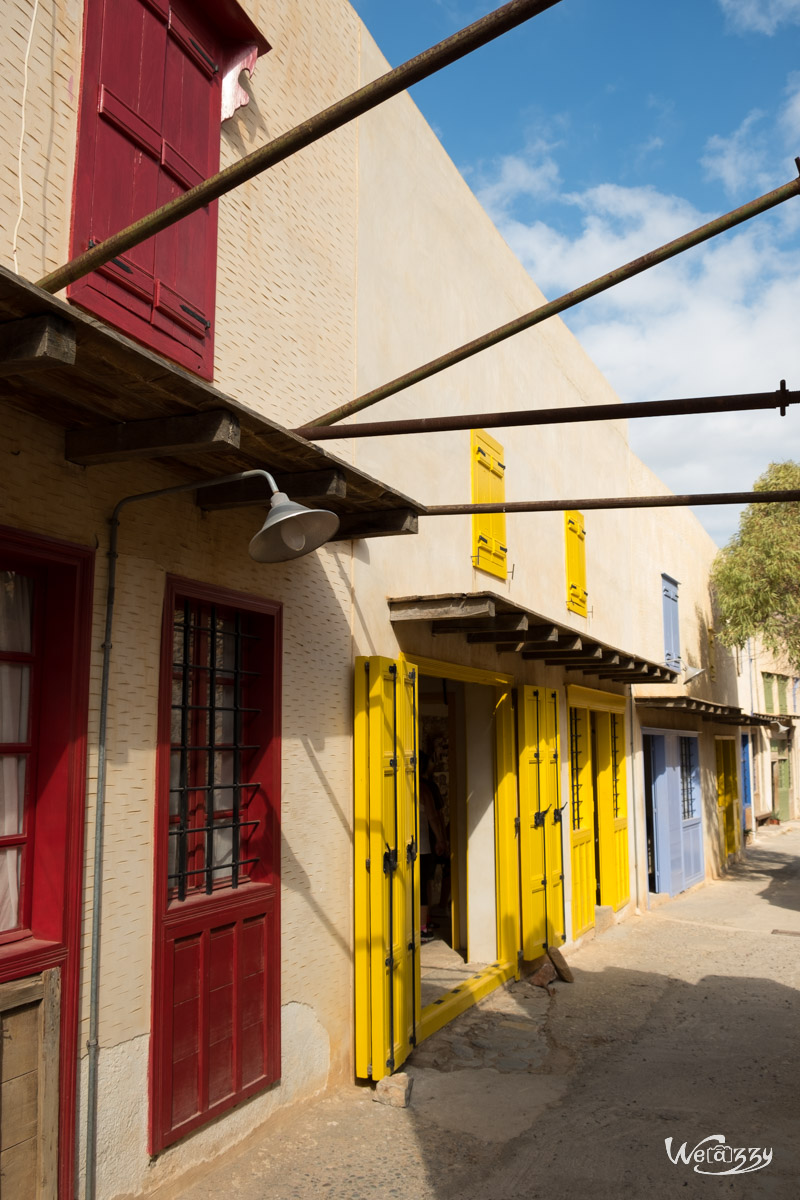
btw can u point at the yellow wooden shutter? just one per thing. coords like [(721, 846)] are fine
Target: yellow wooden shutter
[(575, 540), (489, 549), (582, 821), (541, 866), (386, 868)]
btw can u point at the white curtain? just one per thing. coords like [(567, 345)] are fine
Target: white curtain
[(16, 593)]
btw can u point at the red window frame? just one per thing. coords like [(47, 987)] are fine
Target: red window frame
[(216, 951), (49, 931)]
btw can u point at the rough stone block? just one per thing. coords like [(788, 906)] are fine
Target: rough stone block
[(561, 965), (394, 1090), (545, 975)]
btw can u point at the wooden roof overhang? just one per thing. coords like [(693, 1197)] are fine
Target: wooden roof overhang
[(488, 619), (724, 714), (118, 400)]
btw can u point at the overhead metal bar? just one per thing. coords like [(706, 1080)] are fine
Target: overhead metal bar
[(702, 234), (457, 46), (556, 416), (668, 501)]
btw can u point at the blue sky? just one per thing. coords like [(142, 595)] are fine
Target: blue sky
[(598, 131)]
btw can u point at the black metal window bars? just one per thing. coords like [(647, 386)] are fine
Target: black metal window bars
[(615, 760), (209, 788), (687, 771), (574, 754)]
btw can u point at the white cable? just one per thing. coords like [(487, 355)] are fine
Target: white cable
[(22, 133)]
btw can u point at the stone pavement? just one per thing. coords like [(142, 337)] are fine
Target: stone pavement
[(681, 1023)]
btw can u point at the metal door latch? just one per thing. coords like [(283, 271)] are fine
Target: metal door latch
[(538, 817), (558, 812)]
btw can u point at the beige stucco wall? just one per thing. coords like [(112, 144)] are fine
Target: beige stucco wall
[(358, 259), (48, 496)]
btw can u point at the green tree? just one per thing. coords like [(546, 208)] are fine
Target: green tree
[(756, 578)]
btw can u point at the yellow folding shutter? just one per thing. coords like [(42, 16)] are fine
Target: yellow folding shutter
[(727, 793), (541, 867), (386, 868), (489, 549), (612, 815), (582, 821), (575, 543)]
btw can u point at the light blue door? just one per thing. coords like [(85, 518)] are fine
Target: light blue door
[(690, 810), (677, 821)]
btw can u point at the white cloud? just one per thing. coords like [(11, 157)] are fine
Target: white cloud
[(789, 117), (718, 319), (738, 160), (761, 16)]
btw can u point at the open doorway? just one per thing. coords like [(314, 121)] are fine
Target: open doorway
[(458, 908)]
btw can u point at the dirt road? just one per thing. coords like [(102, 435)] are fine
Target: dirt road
[(682, 1023)]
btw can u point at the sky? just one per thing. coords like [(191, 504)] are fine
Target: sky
[(602, 129)]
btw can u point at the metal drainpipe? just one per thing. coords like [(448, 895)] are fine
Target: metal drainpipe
[(94, 983)]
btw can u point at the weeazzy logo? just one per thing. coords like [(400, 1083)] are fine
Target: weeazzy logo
[(719, 1158)]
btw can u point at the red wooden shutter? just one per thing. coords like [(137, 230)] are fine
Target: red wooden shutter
[(149, 131)]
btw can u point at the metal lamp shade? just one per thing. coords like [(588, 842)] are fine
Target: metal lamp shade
[(291, 530)]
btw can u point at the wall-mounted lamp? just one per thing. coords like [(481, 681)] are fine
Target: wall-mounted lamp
[(291, 529), (690, 673)]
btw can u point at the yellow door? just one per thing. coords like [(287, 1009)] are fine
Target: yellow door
[(612, 814), (386, 872), (541, 866), (727, 793), (584, 885)]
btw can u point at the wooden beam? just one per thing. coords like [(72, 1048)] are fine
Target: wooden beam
[(35, 343), (542, 633), (166, 436), (300, 485), (504, 624), (566, 646), (516, 632), (585, 656), (441, 608), (377, 522)]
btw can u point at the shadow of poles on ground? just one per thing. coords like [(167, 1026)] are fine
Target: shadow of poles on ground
[(653, 1057)]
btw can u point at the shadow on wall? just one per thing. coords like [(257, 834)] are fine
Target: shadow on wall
[(652, 1057)]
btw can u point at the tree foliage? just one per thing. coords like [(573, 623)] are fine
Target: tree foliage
[(756, 578)]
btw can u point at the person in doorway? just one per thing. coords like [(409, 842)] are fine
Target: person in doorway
[(433, 845)]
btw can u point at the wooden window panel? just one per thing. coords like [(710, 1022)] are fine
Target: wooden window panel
[(150, 115), (489, 549), (216, 1014), (575, 553)]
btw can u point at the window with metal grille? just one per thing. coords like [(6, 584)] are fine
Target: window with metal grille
[(575, 759), (688, 753), (212, 747), (616, 751)]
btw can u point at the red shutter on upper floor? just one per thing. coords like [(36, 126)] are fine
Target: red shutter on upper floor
[(149, 131)]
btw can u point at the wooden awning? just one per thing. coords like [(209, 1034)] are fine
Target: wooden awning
[(486, 618), (724, 714), (119, 400)]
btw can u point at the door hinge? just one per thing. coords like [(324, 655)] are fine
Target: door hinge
[(538, 817), (390, 861), (411, 851), (516, 826)]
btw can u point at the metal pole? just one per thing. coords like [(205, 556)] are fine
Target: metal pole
[(556, 416), (485, 30), (568, 300), (668, 501), (92, 1044)]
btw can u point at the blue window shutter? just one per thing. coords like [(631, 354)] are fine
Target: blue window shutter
[(672, 639)]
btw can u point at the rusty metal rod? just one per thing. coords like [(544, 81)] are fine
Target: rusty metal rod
[(556, 416), (457, 46), (568, 300), (669, 501)]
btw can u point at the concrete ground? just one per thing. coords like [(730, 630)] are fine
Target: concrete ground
[(681, 1023)]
